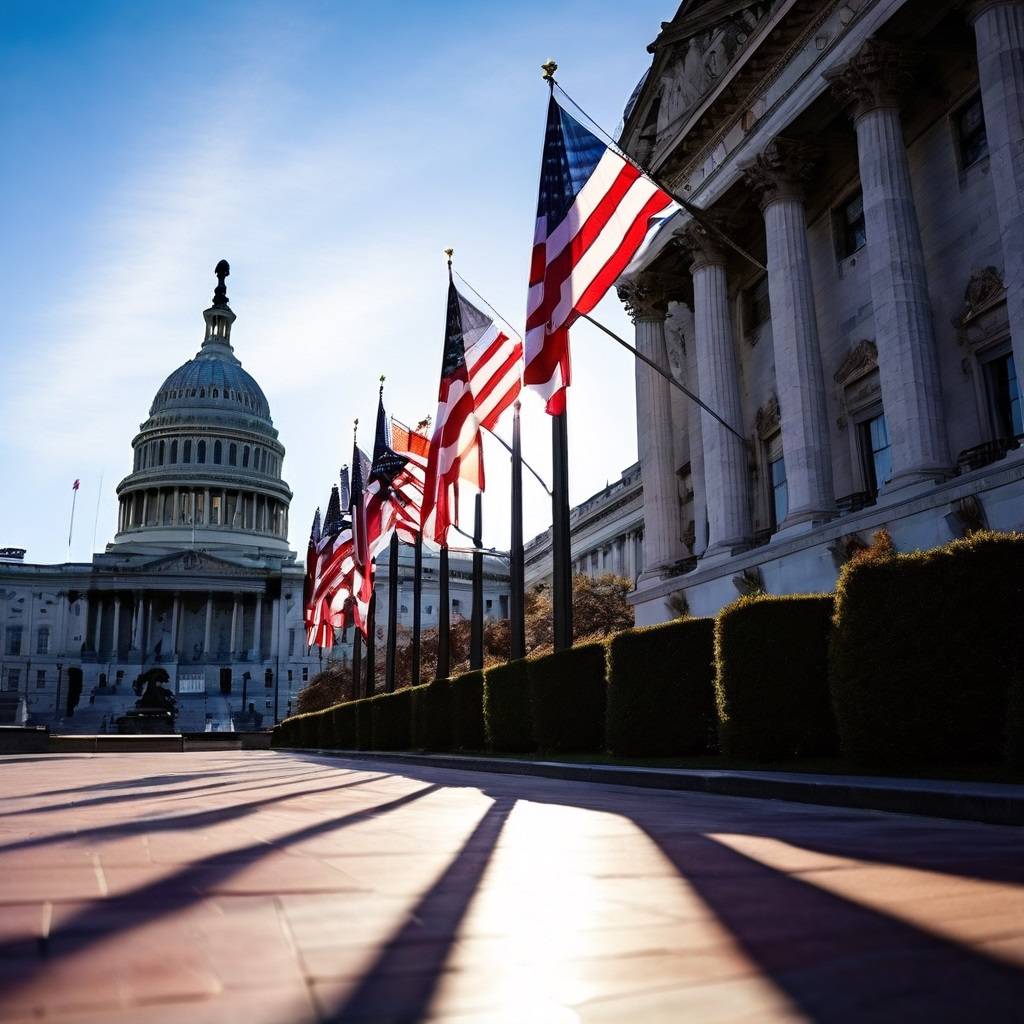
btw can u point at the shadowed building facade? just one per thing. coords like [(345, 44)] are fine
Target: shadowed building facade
[(868, 155), (199, 579)]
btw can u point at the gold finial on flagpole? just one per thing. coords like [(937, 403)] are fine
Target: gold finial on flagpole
[(381, 385), (449, 253), (549, 67), (355, 429)]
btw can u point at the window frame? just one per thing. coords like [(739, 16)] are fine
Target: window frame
[(841, 225)]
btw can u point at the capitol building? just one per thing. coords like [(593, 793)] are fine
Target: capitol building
[(198, 581)]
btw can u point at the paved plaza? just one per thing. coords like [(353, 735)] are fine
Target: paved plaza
[(278, 888)]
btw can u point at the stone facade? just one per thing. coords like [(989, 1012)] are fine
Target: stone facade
[(849, 301), (199, 579), (606, 534)]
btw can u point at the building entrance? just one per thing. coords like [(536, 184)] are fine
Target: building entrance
[(225, 681)]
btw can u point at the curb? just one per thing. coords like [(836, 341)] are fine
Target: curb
[(990, 803)]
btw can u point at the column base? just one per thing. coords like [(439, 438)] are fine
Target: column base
[(801, 522), (906, 485), (722, 551)]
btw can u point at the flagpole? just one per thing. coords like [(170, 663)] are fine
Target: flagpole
[(371, 641), (71, 526), (476, 633), (517, 603), (508, 448), (664, 373), (561, 553), (357, 663), (443, 623), (417, 596), (392, 647)]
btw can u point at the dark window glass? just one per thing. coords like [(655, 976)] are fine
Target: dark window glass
[(233, 455), (245, 457), (970, 129), (186, 452), (174, 452), (14, 639), (780, 490), (217, 452), (851, 225), (1006, 396), (161, 457), (877, 453), (201, 452), (760, 310)]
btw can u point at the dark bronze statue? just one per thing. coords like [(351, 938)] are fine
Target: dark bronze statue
[(220, 293)]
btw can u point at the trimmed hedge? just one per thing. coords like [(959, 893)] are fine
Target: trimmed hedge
[(324, 726), (661, 690), (363, 712), (771, 681), (391, 714), (1015, 726), (567, 690), (508, 715), (431, 716), (467, 711), (343, 717), (923, 649)]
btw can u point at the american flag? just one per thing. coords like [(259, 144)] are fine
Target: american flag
[(455, 450), (309, 584), (495, 363), (594, 212), (324, 574), (415, 447), (394, 495), (361, 586)]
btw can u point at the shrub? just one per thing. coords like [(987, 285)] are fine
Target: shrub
[(362, 710), (1015, 725), (431, 716), (508, 716), (392, 715), (324, 728), (923, 648), (467, 711), (661, 691), (344, 722), (568, 694), (771, 683)]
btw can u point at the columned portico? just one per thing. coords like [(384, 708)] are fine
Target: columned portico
[(209, 624), (115, 641), (175, 620), (645, 303), (725, 456), (871, 83), (778, 174), (233, 645), (999, 36), (257, 629)]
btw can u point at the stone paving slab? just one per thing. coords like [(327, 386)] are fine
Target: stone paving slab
[(996, 803), (271, 887)]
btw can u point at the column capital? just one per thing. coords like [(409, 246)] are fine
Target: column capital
[(704, 248), (874, 77), (974, 9), (781, 170), (645, 298)]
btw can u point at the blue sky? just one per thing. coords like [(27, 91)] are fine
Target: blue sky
[(329, 151)]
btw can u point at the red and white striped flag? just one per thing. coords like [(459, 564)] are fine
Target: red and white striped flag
[(594, 212), (495, 363), (455, 451)]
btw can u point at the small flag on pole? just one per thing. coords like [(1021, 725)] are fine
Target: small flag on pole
[(76, 485)]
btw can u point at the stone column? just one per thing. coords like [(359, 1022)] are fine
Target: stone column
[(209, 624), (206, 506), (725, 455), (175, 622), (115, 642), (137, 620), (234, 627), (999, 36), (646, 305), (176, 507), (145, 507), (257, 630), (275, 628), (870, 83), (97, 635), (778, 176)]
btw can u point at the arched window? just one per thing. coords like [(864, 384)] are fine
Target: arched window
[(216, 452), (138, 459), (186, 451), (216, 393), (245, 457), (263, 462), (256, 459), (174, 452), (43, 640), (233, 455), (201, 452), (202, 392), (161, 456)]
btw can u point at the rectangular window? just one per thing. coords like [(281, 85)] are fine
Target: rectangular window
[(1005, 392), (13, 678), (971, 137), (780, 490), (291, 643), (456, 604), (41, 679), (850, 226), (305, 673), (14, 639), (43, 640), (215, 509), (757, 307), (877, 453)]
